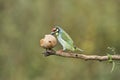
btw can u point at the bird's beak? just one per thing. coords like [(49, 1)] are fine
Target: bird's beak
[(52, 33)]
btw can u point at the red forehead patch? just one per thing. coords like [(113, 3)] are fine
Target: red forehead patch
[(53, 29)]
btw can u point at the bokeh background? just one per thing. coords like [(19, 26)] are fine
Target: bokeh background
[(93, 25)]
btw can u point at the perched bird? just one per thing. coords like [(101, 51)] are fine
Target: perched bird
[(48, 42), (64, 39)]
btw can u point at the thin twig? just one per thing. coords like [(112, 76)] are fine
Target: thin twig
[(81, 56)]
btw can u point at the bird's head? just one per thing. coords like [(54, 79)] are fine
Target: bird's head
[(55, 31)]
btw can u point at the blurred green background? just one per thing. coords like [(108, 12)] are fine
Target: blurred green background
[(93, 25)]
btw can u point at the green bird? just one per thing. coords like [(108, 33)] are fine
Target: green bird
[(64, 39)]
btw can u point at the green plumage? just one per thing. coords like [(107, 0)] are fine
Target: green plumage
[(65, 40), (66, 37)]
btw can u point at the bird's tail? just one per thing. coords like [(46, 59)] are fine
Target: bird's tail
[(76, 48)]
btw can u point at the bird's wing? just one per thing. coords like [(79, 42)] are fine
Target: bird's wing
[(66, 37)]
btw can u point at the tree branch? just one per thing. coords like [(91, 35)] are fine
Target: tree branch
[(81, 56)]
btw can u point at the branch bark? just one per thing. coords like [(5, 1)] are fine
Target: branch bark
[(81, 56)]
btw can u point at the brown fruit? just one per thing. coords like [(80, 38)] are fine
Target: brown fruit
[(48, 42)]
